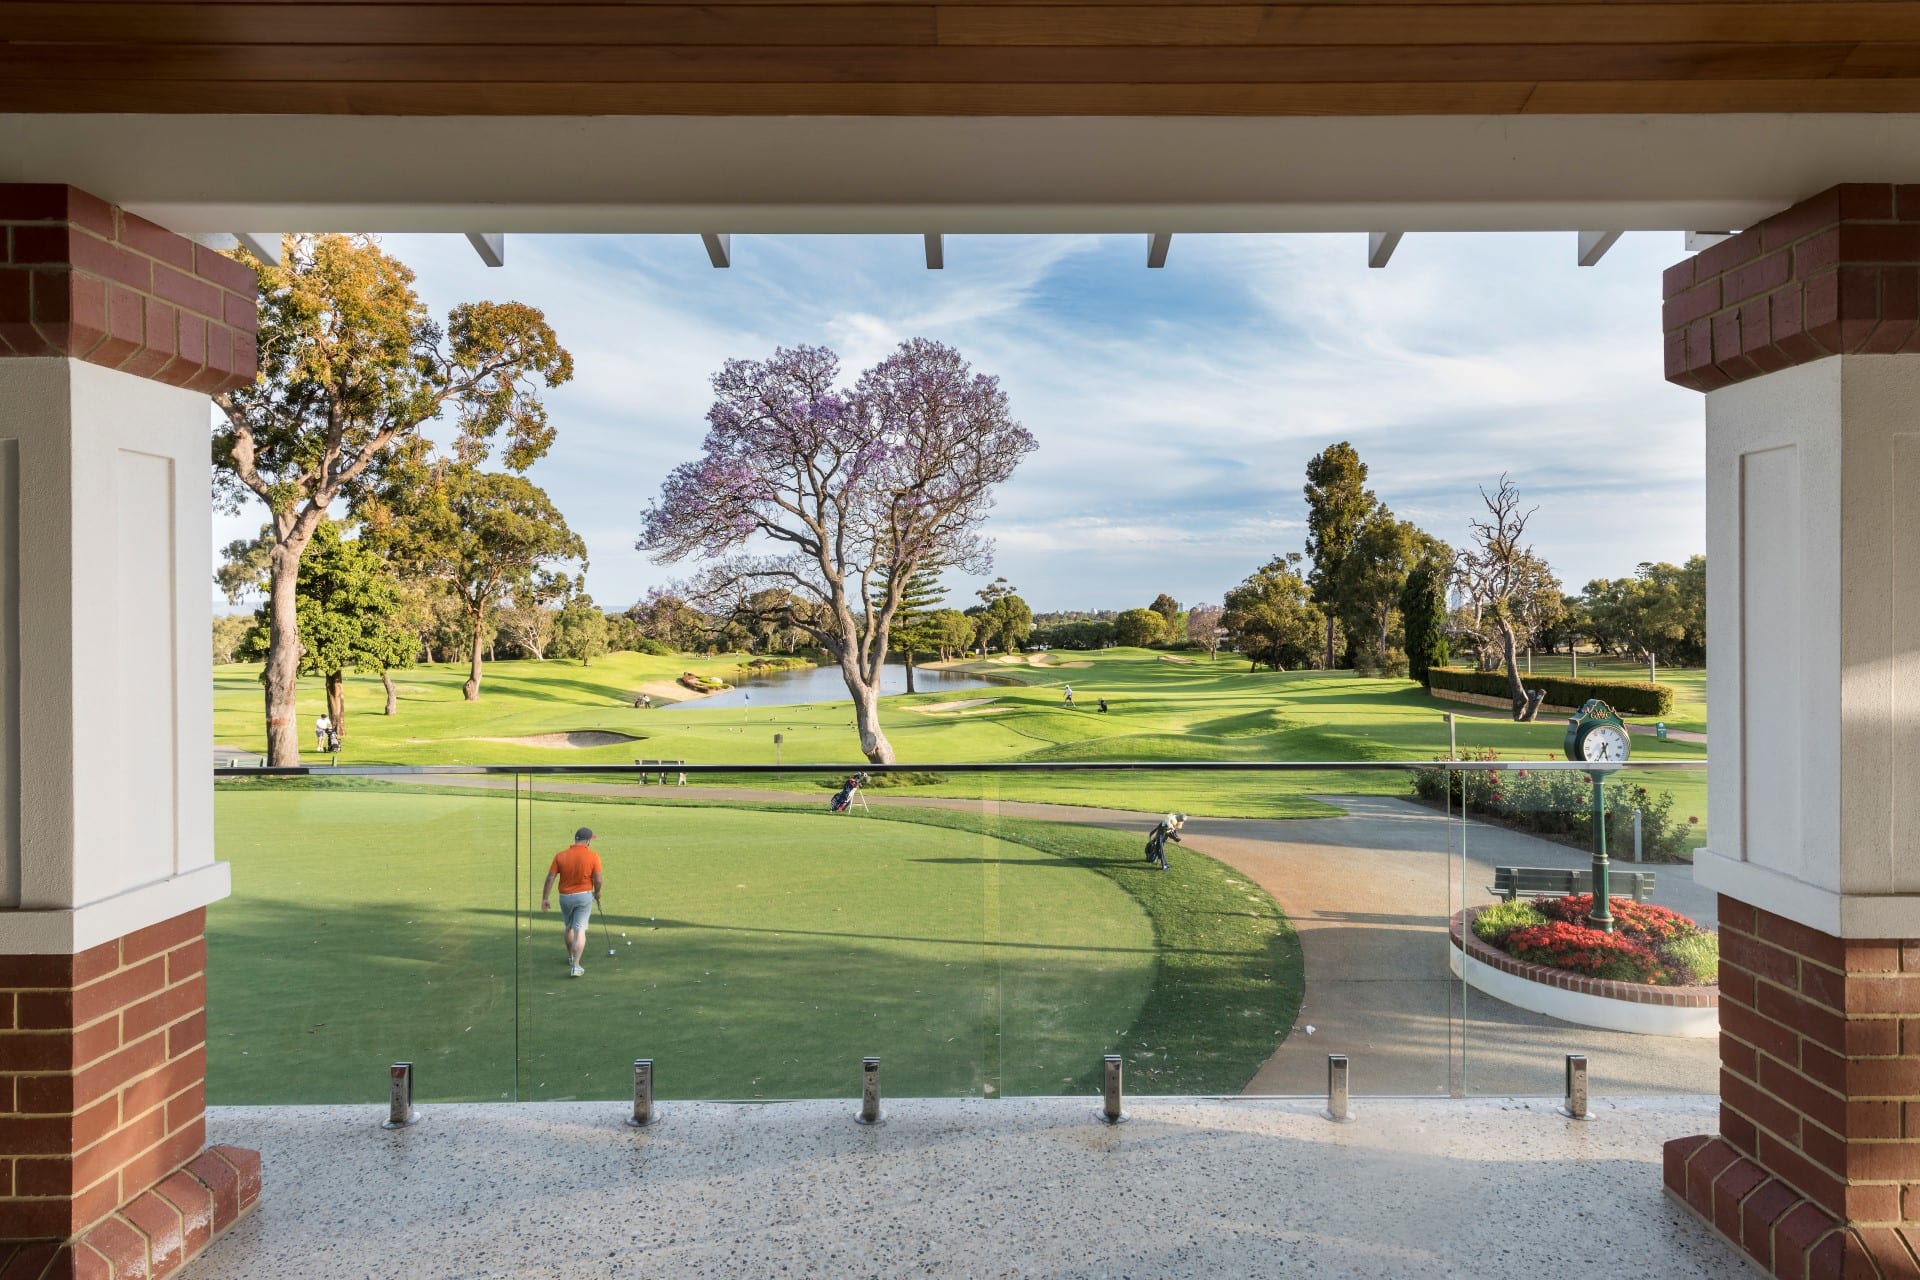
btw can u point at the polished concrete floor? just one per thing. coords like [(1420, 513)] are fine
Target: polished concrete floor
[(970, 1188)]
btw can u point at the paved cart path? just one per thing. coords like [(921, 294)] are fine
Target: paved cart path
[(1370, 894)]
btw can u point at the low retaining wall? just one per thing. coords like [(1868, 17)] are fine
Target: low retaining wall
[(1686, 1012), (1488, 700)]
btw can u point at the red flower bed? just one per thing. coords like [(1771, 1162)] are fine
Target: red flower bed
[(1640, 921), (1578, 949)]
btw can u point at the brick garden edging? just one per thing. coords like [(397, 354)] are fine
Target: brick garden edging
[(1595, 1002)]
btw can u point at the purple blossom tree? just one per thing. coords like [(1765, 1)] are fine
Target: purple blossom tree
[(854, 490)]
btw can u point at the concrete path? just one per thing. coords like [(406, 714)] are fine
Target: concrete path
[(1034, 1188), (1370, 895)]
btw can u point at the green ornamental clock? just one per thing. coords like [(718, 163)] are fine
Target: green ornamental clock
[(1596, 735)]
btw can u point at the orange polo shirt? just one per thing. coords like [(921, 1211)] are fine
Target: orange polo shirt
[(575, 866)]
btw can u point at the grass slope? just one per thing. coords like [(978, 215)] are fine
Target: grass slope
[(770, 950)]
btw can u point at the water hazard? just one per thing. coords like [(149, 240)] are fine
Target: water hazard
[(825, 684)]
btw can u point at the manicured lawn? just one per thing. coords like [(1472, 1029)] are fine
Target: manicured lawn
[(770, 950), (1160, 710)]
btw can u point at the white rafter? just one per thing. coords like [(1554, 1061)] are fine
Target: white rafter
[(264, 245), (719, 247), (1380, 247), (1594, 245), (1158, 242), (936, 251), (490, 245)]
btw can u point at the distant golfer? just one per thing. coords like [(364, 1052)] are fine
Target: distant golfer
[(322, 728), (1167, 829), (577, 868), (1069, 698), (1103, 706)]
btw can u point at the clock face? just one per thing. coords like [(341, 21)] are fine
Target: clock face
[(1604, 744)]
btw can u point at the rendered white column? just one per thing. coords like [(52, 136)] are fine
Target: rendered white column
[(1813, 667), (105, 665)]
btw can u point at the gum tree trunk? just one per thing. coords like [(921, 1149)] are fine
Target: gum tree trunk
[(1510, 650), (471, 689), (281, 677), (337, 705), (386, 682)]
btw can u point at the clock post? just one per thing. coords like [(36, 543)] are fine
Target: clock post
[(1595, 735), (1601, 916)]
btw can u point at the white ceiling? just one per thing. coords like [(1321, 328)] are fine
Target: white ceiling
[(1002, 174)]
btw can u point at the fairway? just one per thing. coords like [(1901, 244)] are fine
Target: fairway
[(1160, 709), (770, 950)]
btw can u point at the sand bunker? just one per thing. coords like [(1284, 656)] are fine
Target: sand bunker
[(1083, 662), (1167, 657), (577, 738), (956, 706)]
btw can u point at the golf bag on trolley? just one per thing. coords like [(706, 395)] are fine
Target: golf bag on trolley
[(844, 797)]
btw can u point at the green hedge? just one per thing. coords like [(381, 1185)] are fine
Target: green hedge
[(1628, 697)]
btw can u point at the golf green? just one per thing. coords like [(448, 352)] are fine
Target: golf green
[(756, 953)]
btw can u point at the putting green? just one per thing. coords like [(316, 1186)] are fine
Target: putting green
[(769, 952)]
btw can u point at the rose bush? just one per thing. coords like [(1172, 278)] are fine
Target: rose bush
[(1650, 944)]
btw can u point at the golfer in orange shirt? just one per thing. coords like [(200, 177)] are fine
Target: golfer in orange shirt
[(577, 868)]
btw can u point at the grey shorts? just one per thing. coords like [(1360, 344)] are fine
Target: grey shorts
[(575, 908)]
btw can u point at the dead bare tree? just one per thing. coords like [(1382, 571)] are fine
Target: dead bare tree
[(1504, 581)]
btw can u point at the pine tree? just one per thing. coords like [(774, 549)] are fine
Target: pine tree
[(913, 628), (1423, 616)]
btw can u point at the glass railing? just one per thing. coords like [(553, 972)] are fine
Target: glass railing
[(985, 930)]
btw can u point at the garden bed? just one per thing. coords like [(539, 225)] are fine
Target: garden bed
[(1691, 1012)]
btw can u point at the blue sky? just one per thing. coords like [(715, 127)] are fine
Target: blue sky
[(1175, 409)]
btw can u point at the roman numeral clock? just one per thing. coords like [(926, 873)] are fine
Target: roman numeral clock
[(1595, 735)]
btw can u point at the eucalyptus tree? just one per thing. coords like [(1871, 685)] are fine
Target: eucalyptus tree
[(831, 493), (352, 367), (484, 536), (1338, 504)]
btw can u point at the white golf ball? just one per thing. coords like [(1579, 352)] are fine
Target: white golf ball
[(609, 950)]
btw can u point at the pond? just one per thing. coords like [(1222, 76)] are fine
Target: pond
[(825, 684)]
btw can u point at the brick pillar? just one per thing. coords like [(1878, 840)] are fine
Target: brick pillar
[(1805, 333), (112, 333)]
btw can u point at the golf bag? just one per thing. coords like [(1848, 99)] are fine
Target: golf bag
[(843, 798), (1157, 842)]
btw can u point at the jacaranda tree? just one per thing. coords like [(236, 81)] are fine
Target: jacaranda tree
[(839, 496)]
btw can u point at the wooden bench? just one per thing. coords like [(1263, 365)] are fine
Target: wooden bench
[(1554, 882)]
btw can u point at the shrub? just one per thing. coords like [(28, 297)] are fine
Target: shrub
[(1629, 697), (1558, 803), (1695, 959), (1641, 921), (1577, 949), (1494, 923), (654, 647)]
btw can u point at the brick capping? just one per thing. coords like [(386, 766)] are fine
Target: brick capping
[(155, 1234), (1547, 976), (84, 279), (1836, 274)]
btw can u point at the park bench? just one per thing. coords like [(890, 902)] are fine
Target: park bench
[(1554, 882), (662, 767)]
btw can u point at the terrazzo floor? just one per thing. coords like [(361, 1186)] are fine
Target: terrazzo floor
[(973, 1188)]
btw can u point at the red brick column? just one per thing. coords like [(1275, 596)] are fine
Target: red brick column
[(1838, 274), (1818, 1159), (83, 279), (103, 1170), (1816, 1169)]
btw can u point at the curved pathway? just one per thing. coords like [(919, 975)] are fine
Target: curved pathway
[(1370, 895)]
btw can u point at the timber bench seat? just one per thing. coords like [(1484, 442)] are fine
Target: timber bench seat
[(1556, 882)]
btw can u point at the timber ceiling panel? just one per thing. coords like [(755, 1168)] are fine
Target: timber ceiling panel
[(1010, 57)]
